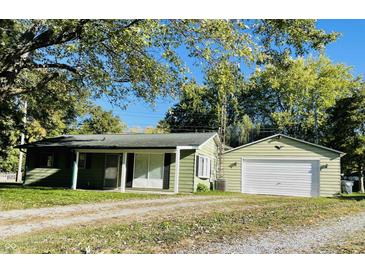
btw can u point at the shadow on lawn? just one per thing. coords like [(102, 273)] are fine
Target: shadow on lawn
[(11, 185), (4, 186), (353, 197)]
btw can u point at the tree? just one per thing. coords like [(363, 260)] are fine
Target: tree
[(196, 111), (295, 98), (242, 131), (101, 122), (200, 107), (48, 114), (118, 58), (345, 131)]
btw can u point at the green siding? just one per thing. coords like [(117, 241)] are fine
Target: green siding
[(209, 149), (186, 176), (330, 178), (92, 177), (59, 176)]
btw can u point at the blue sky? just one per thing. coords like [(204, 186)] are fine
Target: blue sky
[(348, 49)]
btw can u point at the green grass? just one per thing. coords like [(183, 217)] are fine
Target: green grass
[(167, 233), (19, 197)]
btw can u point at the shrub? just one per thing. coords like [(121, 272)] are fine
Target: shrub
[(202, 188)]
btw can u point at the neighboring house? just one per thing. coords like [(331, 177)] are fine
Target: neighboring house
[(166, 162), (276, 165)]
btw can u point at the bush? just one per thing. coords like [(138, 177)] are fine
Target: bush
[(202, 188)]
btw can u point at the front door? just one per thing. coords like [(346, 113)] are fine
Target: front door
[(148, 171), (111, 171)]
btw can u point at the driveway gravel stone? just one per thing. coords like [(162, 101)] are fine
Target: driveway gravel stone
[(56, 217), (303, 240)]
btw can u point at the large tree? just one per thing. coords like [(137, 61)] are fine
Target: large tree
[(99, 121), (123, 58), (140, 57), (345, 131), (200, 107), (295, 98), (48, 114)]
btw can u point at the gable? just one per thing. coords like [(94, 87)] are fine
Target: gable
[(285, 146)]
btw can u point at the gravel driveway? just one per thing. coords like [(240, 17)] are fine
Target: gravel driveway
[(303, 240), (17, 222)]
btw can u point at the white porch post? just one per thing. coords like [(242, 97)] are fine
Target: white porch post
[(124, 171), (177, 170), (75, 170)]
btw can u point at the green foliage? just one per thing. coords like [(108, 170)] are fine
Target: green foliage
[(100, 121), (48, 114), (242, 131), (346, 129), (9, 162), (118, 58), (58, 65), (202, 188), (291, 97)]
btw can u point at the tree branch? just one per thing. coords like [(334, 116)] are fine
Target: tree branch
[(54, 65), (40, 85)]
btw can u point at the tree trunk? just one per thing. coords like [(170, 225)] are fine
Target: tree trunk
[(361, 182)]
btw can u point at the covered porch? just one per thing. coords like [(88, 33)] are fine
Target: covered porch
[(152, 170)]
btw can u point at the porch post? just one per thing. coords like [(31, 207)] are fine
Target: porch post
[(177, 170), (124, 170), (75, 167)]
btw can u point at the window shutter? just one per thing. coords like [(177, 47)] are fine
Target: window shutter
[(130, 167), (197, 165), (208, 168), (166, 171)]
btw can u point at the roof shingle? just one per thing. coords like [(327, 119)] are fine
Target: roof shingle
[(168, 140)]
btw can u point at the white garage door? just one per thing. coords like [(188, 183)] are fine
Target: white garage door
[(280, 177)]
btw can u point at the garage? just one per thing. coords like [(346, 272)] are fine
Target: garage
[(280, 177), (283, 165)]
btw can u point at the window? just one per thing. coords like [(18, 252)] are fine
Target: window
[(46, 160), (204, 164), (148, 170), (82, 161)]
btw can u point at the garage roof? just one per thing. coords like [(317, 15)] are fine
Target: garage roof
[(279, 135), (167, 140)]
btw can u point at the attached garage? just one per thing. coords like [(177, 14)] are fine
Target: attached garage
[(282, 165)]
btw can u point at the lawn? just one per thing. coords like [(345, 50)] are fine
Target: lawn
[(168, 233), (21, 197)]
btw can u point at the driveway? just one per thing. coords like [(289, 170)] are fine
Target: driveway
[(307, 240), (17, 222)]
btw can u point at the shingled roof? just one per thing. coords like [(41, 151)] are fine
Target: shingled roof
[(168, 140)]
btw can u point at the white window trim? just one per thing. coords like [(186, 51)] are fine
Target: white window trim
[(204, 166), (84, 166), (52, 160)]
